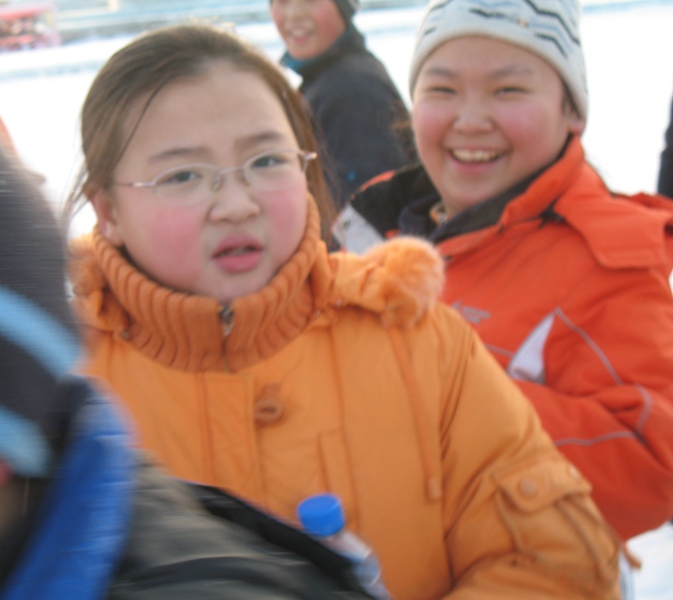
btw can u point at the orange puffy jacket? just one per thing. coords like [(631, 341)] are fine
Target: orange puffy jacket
[(337, 376)]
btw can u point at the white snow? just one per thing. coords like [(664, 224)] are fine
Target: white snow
[(629, 56), (655, 580)]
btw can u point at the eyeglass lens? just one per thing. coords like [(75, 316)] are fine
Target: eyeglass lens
[(268, 172)]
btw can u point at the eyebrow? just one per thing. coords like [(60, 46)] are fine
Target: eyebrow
[(516, 69), (258, 138), (240, 145)]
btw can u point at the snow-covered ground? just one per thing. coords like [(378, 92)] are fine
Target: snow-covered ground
[(629, 55), (655, 580)]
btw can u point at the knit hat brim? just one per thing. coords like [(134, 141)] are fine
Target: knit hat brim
[(547, 28)]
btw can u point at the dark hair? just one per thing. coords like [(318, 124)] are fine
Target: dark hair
[(568, 102), (142, 69)]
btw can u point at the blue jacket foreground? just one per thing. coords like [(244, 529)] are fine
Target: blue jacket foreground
[(84, 519)]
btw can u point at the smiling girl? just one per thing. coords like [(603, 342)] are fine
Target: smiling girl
[(253, 360), (565, 281)]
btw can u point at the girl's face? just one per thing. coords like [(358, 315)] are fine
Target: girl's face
[(308, 27), (235, 240), (486, 115)]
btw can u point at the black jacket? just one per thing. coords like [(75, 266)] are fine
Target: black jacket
[(359, 116), (202, 543)]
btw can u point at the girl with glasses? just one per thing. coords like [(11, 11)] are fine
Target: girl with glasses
[(253, 360)]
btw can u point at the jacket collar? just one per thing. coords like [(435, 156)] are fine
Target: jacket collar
[(399, 281), (536, 201), (185, 331), (402, 204), (349, 41), (482, 215)]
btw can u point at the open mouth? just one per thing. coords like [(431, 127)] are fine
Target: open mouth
[(239, 256), (298, 35), (237, 251), (476, 156)]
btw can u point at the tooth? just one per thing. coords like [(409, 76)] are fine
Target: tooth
[(475, 155)]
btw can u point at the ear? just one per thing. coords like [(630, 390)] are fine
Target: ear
[(106, 216), (576, 124)]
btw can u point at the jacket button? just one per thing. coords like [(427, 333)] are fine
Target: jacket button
[(268, 411), (528, 487)]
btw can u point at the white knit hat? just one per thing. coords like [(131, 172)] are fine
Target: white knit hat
[(547, 28)]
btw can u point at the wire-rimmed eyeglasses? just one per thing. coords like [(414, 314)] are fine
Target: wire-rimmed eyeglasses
[(269, 171)]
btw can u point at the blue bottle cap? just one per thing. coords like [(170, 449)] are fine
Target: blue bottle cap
[(321, 514)]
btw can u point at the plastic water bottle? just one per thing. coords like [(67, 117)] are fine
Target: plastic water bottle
[(322, 517)]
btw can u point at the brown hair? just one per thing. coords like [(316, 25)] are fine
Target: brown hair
[(142, 69)]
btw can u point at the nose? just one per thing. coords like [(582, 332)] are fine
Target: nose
[(220, 177), (472, 116), (295, 8), (233, 199)]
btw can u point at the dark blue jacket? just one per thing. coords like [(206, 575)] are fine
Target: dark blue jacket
[(359, 116)]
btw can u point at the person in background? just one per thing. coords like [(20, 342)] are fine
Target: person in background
[(358, 113), (566, 282), (83, 514), (254, 361), (7, 144), (665, 180)]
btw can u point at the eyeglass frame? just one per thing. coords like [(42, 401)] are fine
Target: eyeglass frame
[(305, 156)]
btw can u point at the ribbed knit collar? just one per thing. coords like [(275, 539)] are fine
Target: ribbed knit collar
[(185, 331)]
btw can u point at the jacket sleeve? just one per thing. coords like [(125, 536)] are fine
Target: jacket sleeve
[(606, 392), (519, 520), (177, 550)]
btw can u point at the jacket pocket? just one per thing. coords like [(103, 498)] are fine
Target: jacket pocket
[(555, 526)]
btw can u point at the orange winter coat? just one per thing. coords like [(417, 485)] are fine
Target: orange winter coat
[(341, 376), (569, 289)]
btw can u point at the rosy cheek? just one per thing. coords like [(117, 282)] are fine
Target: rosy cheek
[(521, 122), (429, 123), (287, 212), (173, 231)]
